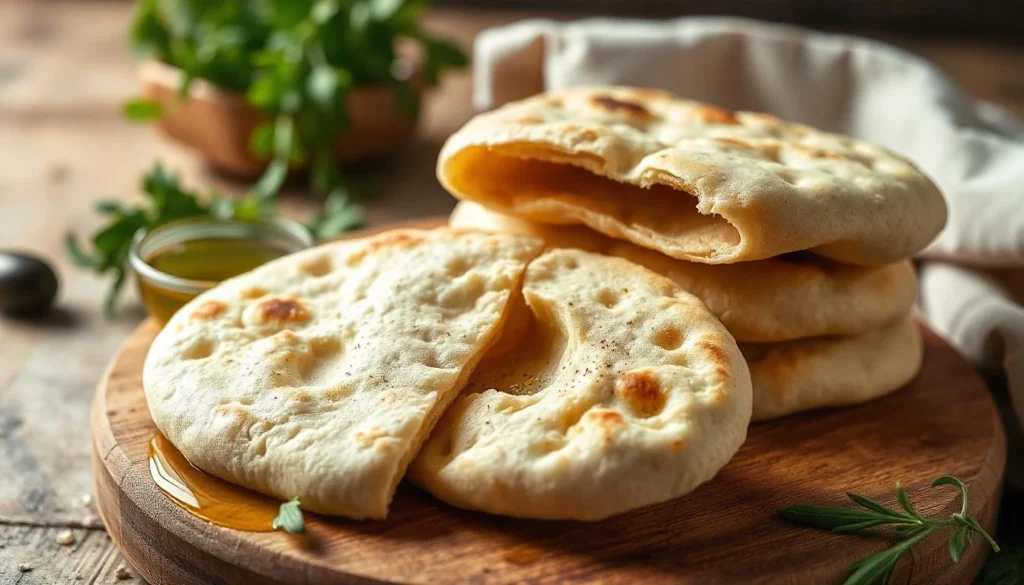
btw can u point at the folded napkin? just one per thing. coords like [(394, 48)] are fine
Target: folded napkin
[(973, 150)]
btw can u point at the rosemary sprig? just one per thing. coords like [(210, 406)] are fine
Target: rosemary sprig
[(910, 525)]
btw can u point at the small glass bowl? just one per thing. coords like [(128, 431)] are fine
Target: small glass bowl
[(221, 242)]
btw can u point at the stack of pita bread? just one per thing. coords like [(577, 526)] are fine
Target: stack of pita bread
[(796, 239), (568, 347)]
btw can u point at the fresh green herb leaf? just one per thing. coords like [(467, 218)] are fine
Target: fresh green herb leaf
[(324, 10), (142, 110), (901, 495), (289, 518), (340, 215), (957, 544), (878, 568), (324, 82), (872, 505), (950, 480), (911, 527), (272, 179), (261, 143), (111, 208), (831, 517), (78, 257), (445, 53), (110, 304), (149, 35)]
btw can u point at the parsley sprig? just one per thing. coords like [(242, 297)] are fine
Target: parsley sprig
[(909, 525)]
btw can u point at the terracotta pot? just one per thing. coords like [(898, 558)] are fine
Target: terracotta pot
[(218, 123)]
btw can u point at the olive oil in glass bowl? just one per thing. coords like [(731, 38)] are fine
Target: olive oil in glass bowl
[(177, 261)]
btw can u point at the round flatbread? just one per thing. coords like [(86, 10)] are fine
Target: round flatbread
[(615, 390), (793, 296), (692, 181), (816, 373), (318, 375)]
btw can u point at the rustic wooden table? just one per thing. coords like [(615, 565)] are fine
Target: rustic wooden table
[(64, 70)]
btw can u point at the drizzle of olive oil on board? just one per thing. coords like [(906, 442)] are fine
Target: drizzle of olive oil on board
[(205, 496)]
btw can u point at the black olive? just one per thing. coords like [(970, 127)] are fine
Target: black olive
[(27, 284)]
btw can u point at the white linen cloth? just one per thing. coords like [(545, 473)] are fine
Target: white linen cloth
[(974, 151)]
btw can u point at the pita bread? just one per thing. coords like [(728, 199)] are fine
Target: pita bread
[(620, 391), (816, 373), (790, 297), (692, 181), (318, 375)]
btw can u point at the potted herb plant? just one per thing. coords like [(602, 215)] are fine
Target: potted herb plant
[(263, 86)]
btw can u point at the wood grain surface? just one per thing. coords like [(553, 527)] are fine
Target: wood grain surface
[(724, 533), (65, 70)]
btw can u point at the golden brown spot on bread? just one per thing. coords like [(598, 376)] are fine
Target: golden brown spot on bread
[(394, 238), (718, 395), (368, 438), (208, 310), (715, 352), (716, 115), (527, 120), (608, 298), (676, 445), (735, 142), (397, 238), (318, 266), (324, 345), (717, 355), (763, 117), (304, 397), (335, 394), (668, 338), (586, 134), (641, 392), (233, 411), (253, 292), (651, 93), (813, 152), (286, 336), (620, 106), (605, 417), (607, 422), (282, 310)]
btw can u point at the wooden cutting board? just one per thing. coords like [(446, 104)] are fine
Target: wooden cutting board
[(726, 532)]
